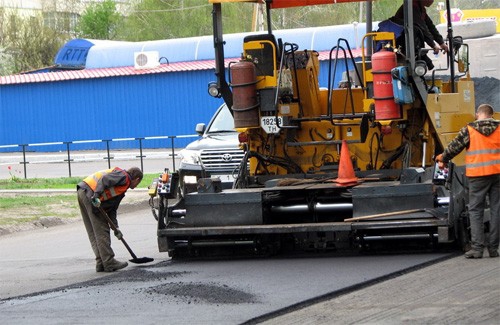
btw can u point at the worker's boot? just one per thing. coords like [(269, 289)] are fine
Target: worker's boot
[(114, 265), (99, 267), (473, 254), (493, 252)]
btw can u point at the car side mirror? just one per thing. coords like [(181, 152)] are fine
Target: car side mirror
[(200, 128)]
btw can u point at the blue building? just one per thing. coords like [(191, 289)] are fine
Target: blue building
[(93, 91)]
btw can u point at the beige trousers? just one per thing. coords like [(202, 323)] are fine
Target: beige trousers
[(97, 229)]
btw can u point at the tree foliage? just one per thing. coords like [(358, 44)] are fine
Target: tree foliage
[(153, 20), (26, 43), (99, 21)]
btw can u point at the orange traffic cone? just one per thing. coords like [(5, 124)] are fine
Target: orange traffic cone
[(346, 174)]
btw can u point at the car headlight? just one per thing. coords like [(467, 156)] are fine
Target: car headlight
[(190, 157)]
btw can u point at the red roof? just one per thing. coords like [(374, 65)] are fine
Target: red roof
[(104, 72), (123, 71)]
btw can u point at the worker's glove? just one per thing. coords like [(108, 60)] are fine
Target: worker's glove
[(96, 202), (118, 234), (440, 162)]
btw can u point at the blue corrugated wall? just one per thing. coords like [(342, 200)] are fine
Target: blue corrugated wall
[(164, 104), (106, 108)]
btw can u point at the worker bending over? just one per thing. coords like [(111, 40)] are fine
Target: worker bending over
[(104, 190)]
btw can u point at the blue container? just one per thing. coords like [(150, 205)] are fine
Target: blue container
[(403, 92)]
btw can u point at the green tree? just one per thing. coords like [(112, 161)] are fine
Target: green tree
[(153, 20), (26, 43), (99, 21)]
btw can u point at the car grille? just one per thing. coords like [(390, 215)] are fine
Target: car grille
[(221, 160)]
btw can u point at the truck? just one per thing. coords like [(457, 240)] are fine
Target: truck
[(346, 166)]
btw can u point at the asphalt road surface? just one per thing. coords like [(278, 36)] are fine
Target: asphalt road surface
[(47, 276)]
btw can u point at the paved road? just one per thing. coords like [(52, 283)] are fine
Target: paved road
[(454, 291), (52, 268)]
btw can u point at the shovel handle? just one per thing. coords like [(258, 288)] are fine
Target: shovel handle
[(388, 214), (113, 226)]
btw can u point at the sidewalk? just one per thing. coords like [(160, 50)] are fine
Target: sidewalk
[(54, 164)]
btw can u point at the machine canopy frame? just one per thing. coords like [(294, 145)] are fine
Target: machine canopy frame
[(275, 4)]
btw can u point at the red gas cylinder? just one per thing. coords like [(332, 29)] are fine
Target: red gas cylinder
[(385, 106), (245, 104)]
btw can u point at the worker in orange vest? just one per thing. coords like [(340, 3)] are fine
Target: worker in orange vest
[(481, 139), (105, 189)]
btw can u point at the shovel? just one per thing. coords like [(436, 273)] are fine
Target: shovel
[(134, 259)]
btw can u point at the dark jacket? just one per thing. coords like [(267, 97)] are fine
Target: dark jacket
[(107, 181), (425, 29)]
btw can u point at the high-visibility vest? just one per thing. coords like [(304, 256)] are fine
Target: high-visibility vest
[(483, 156), (111, 192)]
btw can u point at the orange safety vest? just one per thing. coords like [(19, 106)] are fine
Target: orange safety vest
[(483, 156), (111, 192)]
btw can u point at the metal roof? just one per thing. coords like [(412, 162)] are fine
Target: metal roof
[(104, 72), (126, 71)]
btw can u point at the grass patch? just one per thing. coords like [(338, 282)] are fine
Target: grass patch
[(28, 209), (36, 201), (55, 183), (15, 221)]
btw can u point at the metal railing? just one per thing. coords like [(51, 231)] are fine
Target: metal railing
[(108, 157)]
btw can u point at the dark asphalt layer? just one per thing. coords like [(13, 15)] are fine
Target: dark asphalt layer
[(206, 292)]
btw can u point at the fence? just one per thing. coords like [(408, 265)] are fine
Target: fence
[(67, 148)]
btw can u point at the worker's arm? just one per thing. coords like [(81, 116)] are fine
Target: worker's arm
[(110, 207), (436, 37), (456, 146), (433, 30)]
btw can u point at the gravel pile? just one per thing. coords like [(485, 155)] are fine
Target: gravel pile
[(487, 91)]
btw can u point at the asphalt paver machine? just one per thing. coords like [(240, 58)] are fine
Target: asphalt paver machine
[(343, 166)]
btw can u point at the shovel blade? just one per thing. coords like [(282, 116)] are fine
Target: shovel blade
[(141, 260)]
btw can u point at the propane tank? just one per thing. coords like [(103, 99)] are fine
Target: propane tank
[(385, 106), (245, 105)]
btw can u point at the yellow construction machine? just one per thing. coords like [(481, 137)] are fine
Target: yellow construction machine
[(336, 167)]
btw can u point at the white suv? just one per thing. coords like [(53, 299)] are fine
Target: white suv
[(215, 154)]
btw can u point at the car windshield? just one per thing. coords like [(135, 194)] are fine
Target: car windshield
[(223, 122)]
